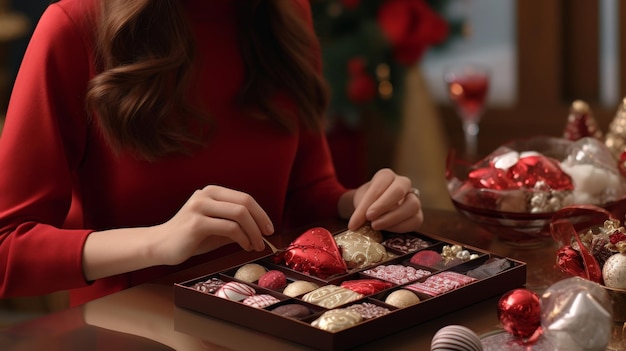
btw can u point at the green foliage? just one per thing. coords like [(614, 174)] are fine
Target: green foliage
[(348, 33)]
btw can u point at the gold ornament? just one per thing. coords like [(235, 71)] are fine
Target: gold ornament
[(581, 122), (616, 135)]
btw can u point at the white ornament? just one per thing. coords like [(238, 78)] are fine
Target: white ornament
[(614, 271)]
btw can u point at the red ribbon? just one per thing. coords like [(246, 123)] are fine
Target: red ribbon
[(565, 225)]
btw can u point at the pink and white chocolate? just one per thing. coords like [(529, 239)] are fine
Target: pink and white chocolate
[(396, 273), (260, 301), (273, 279), (441, 283), (235, 291)]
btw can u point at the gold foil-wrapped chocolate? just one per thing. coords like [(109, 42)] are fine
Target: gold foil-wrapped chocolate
[(359, 250), (581, 123), (369, 232), (616, 135)]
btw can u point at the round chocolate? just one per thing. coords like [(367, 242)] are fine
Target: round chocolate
[(250, 272), (337, 319), (402, 298), (273, 279), (299, 287), (455, 338), (292, 310)]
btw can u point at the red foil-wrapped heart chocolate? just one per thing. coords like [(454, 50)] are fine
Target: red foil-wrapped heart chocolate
[(316, 253)]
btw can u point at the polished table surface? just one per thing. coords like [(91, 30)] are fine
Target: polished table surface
[(145, 317)]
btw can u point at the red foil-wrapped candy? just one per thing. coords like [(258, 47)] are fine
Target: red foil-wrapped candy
[(316, 253), (366, 286), (491, 178), (531, 169), (519, 312), (570, 262)]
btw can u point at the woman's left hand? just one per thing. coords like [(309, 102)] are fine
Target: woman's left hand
[(389, 202)]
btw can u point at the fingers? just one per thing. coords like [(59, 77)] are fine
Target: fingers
[(236, 215), (383, 193), (384, 202), (407, 217), (368, 195)]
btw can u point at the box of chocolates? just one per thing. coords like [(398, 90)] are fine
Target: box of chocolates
[(335, 291)]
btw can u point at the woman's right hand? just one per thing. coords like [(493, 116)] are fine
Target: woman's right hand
[(212, 217)]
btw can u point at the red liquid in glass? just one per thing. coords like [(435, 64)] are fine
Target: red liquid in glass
[(469, 94)]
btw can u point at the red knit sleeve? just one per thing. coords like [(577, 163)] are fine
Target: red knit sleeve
[(40, 147)]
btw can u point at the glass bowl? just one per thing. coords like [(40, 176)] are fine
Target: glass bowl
[(513, 213)]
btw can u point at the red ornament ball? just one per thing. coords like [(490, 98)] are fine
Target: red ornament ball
[(519, 312)]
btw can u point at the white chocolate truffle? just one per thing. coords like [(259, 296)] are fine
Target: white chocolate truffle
[(402, 298), (250, 272), (299, 287)]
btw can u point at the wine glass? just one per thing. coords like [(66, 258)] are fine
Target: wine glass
[(467, 86)]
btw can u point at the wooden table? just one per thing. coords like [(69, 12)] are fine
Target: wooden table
[(145, 318)]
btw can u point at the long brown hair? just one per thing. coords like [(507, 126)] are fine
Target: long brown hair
[(145, 55)]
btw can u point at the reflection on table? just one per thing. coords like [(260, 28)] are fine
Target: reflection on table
[(145, 318)]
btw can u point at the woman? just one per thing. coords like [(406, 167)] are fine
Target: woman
[(143, 136)]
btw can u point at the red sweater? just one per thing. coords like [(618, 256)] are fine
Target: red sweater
[(53, 159)]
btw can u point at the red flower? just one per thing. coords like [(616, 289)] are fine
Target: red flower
[(411, 26), (361, 85)]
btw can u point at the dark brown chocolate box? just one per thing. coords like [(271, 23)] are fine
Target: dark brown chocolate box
[(301, 330)]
